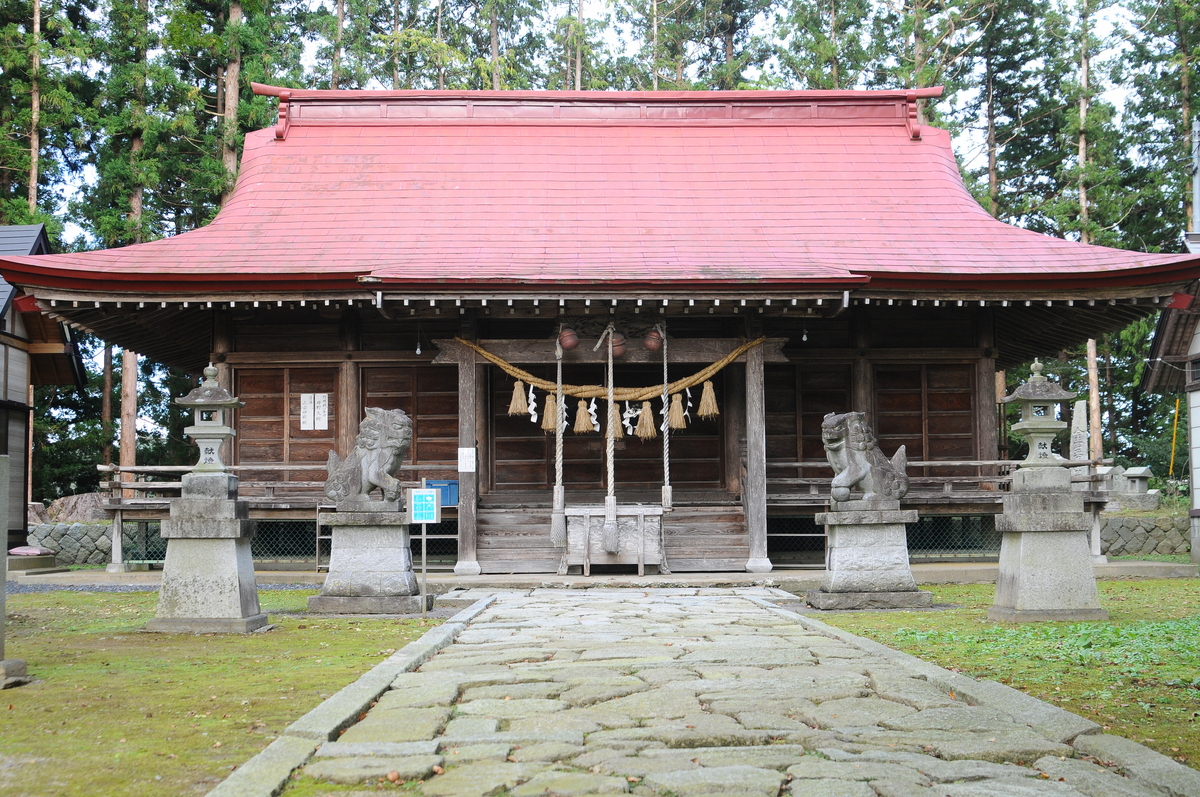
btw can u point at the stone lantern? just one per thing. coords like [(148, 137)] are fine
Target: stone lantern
[(1045, 560), (209, 403), (208, 583), (1039, 424)]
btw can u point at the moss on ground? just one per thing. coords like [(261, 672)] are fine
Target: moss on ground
[(1138, 674), (118, 711)]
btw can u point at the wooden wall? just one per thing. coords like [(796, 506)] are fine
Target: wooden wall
[(523, 453), (14, 422), (269, 425)]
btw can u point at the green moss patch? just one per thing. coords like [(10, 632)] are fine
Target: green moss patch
[(1137, 674), (118, 711)]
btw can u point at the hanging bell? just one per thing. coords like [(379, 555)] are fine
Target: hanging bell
[(568, 339), (618, 344), (653, 341)]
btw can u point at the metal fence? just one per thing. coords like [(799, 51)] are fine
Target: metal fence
[(798, 542), (792, 542), (289, 544)]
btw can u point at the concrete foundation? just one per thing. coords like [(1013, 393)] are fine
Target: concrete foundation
[(867, 555), (1046, 570), (208, 582), (370, 565)]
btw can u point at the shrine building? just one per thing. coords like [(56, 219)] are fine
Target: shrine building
[(428, 250)]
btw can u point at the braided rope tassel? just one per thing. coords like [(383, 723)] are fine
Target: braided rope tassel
[(558, 516)]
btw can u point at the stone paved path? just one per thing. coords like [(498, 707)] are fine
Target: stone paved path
[(686, 692)]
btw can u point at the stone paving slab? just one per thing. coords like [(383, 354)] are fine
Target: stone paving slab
[(694, 692)]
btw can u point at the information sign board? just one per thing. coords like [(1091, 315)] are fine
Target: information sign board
[(424, 506)]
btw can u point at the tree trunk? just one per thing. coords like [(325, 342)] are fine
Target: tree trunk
[(920, 55), (654, 43), (1084, 90), (1112, 404), (129, 413), (396, 42), (106, 417), (35, 102), (579, 48), (494, 29), (993, 171), (441, 66), (233, 71), (1185, 101), (835, 78), (137, 191), (335, 72)]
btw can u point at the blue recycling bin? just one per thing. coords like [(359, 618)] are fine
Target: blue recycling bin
[(449, 488)]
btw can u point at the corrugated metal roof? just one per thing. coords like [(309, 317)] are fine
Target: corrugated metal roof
[(24, 239), (506, 190)]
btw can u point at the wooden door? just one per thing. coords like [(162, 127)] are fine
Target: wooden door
[(269, 426)]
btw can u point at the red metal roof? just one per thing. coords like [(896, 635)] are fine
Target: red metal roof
[(494, 189)]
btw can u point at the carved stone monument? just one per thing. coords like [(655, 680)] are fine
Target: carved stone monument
[(866, 562), (1045, 560), (370, 561), (12, 671), (208, 583)]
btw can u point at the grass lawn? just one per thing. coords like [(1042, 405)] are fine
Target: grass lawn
[(116, 711), (1138, 674)]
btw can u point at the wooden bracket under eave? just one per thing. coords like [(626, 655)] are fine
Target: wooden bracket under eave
[(281, 127), (912, 120)]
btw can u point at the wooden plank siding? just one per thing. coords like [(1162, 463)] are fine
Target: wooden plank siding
[(429, 394), (269, 425)]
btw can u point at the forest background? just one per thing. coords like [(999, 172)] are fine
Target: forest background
[(123, 122)]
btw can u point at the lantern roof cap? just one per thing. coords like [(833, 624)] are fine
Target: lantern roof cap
[(209, 394), (1039, 388)]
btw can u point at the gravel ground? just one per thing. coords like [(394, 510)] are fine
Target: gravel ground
[(13, 588)]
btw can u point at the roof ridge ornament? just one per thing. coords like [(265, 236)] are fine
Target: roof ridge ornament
[(913, 120), (281, 127)]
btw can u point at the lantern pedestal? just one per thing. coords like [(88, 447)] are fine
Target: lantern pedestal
[(867, 562), (1045, 559), (208, 583), (370, 563)]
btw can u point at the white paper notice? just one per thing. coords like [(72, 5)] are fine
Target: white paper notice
[(321, 411), (306, 412), (466, 460)]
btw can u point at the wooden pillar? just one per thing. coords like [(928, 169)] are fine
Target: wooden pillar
[(987, 436), (128, 443), (222, 344), (755, 489), (349, 400), (1095, 437), (734, 418), (468, 456), (862, 386)]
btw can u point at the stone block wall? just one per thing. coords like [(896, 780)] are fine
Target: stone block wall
[(74, 543), (1133, 536)]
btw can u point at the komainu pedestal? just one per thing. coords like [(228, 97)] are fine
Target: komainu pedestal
[(370, 562), (208, 583), (867, 558), (1045, 559)]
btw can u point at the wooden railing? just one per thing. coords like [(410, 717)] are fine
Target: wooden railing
[(152, 485), (969, 485)]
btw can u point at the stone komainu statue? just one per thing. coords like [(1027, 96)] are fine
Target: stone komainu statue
[(857, 462), (384, 438)]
